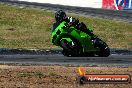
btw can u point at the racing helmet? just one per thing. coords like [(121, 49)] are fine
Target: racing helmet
[(60, 15)]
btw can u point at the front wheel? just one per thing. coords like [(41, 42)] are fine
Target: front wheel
[(67, 53), (72, 48)]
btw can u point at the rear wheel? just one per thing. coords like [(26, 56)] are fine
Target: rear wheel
[(104, 50)]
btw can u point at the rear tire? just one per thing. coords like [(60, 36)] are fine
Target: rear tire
[(104, 52), (103, 47)]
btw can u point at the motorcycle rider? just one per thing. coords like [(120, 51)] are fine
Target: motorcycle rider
[(72, 46), (61, 16)]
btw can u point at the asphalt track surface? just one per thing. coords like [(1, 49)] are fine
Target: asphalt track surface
[(112, 60), (118, 57)]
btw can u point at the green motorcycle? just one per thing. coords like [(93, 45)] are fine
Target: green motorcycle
[(78, 43)]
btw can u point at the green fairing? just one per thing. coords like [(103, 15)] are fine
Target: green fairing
[(63, 31)]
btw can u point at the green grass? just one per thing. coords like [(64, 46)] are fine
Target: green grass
[(30, 28)]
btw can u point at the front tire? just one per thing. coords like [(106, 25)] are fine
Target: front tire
[(71, 49)]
